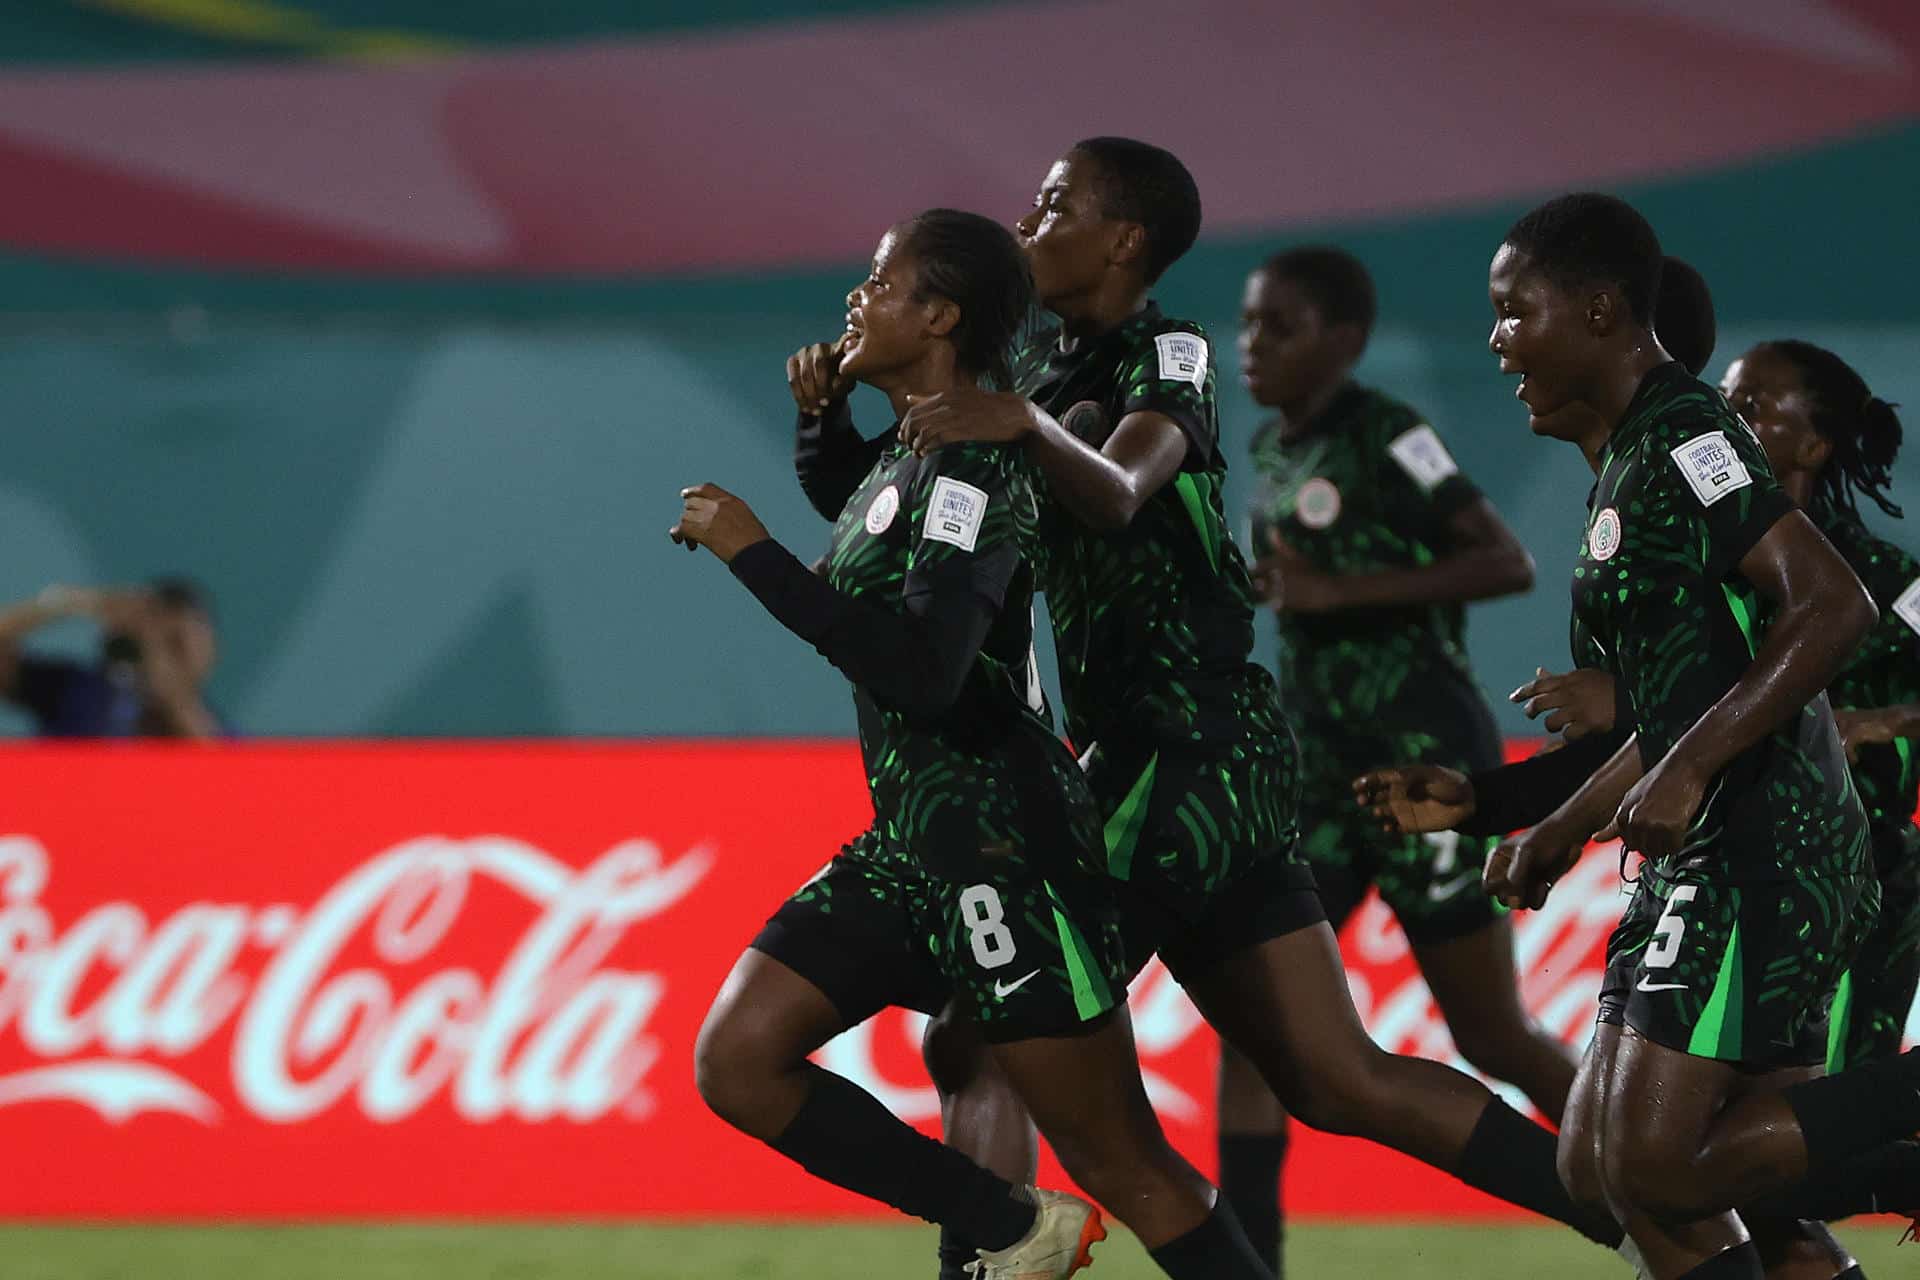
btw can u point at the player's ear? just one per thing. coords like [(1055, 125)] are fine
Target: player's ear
[(1129, 244), (943, 314), (1348, 341), (1812, 452), (1603, 312)]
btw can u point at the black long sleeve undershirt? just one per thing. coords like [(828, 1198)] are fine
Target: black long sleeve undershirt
[(1522, 794), (831, 459), (915, 662)]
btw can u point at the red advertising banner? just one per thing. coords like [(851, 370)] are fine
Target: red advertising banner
[(399, 980)]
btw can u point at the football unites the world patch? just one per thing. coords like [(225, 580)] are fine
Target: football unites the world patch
[(1318, 503), (1423, 457), (883, 508), (1711, 467), (1603, 539), (955, 514), (1183, 358), (1907, 605)]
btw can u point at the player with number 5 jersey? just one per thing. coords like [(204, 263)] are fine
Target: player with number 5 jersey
[(1722, 615)]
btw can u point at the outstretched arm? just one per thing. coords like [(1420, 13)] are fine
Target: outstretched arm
[(1104, 486)]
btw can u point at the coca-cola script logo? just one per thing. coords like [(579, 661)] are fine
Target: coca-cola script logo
[(104, 1002)]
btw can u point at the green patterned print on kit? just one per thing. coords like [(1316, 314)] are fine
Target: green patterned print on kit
[(985, 797), (1154, 622), (1684, 493), (1871, 1008), (1369, 486)]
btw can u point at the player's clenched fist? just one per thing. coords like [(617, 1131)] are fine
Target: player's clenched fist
[(814, 377), (711, 517), (1413, 798)]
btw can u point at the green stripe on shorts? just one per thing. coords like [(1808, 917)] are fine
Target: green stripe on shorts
[(1123, 828), (1717, 1033), (1091, 994), (1839, 1023)]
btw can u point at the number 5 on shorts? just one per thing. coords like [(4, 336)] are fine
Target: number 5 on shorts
[(1666, 934), (985, 919)]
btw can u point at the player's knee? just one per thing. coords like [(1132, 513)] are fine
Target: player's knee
[(1578, 1163), (954, 1053), (1651, 1180), (727, 1068)]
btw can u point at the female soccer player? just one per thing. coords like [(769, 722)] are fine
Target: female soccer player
[(1756, 883), (970, 882), (1189, 758), (1375, 540), (1830, 442)]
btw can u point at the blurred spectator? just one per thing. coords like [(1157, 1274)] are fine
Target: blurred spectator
[(157, 650)]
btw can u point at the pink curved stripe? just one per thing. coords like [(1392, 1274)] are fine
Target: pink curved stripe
[(796, 145)]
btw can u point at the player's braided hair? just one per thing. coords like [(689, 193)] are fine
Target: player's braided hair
[(975, 263), (1862, 428)]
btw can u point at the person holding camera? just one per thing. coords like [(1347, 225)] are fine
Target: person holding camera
[(158, 649)]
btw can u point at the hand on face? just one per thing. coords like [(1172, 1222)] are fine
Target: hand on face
[(1577, 703), (965, 413), (814, 377), (711, 517)]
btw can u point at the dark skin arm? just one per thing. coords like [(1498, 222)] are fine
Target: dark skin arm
[(1523, 869), (1868, 726), (1821, 614), (1104, 488), (1486, 561)]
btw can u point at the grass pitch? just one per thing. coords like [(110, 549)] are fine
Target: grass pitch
[(762, 1252)]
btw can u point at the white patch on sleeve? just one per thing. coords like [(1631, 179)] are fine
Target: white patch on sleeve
[(1422, 456), (1712, 469), (955, 514), (1183, 358), (1908, 605)]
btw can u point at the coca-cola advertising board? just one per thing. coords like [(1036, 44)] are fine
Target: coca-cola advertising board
[(328, 980)]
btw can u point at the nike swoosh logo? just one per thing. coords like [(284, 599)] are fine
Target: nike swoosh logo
[(1660, 986), (1001, 990), (1447, 888)]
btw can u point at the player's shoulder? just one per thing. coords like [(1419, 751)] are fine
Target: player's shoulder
[(1676, 407), (1885, 568), (1170, 347)]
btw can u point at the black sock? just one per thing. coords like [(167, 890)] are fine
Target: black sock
[(956, 1251), (844, 1135), (1742, 1262), (1511, 1157), (1842, 1116), (1884, 1180), (1215, 1250), (1250, 1183)]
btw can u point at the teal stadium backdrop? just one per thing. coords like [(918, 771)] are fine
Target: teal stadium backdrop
[(401, 322)]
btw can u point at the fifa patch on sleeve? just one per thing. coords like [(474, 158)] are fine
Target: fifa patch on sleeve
[(1183, 358), (1908, 605), (955, 514), (1422, 456), (1713, 470)]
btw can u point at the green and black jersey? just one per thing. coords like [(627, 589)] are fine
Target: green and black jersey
[(1684, 493), (967, 515), (1370, 486), (1153, 622), (1884, 671)]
